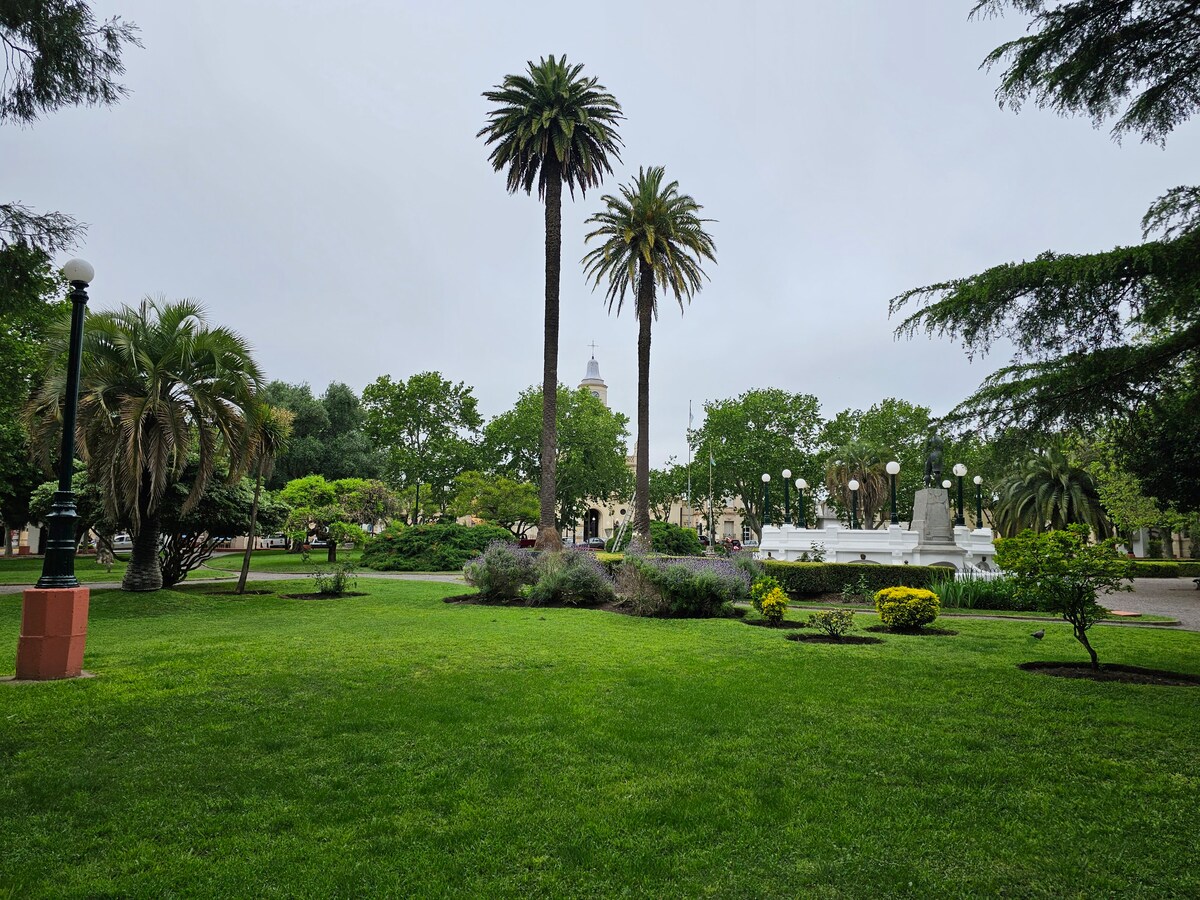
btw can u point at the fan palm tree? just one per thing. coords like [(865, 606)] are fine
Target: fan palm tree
[(266, 436), (1047, 493), (549, 127), (158, 386), (866, 464), (651, 238)]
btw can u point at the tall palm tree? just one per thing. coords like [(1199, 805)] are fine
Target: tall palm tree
[(266, 436), (651, 237), (158, 386), (550, 127), (1047, 493)]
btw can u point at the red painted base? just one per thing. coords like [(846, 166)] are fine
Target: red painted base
[(53, 632)]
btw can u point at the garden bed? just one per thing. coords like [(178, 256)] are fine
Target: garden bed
[(832, 639), (928, 630), (1112, 672)]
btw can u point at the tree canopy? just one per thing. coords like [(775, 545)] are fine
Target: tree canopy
[(1096, 334)]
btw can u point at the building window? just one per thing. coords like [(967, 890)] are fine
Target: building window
[(746, 532)]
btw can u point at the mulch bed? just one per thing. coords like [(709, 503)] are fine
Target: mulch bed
[(931, 632), (324, 596), (1113, 672), (829, 639), (762, 623), (236, 594)]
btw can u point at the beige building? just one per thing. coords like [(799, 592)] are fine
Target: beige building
[(604, 517)]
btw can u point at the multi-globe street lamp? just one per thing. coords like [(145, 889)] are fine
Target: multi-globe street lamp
[(978, 479), (787, 509), (893, 469), (801, 485), (853, 485), (960, 470)]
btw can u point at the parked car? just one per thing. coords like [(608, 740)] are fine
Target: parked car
[(751, 544), (122, 541), (595, 543), (271, 541)]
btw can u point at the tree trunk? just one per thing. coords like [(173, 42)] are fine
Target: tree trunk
[(144, 572), (645, 316), (548, 537), (8, 543), (1168, 544), (1081, 636), (241, 585), (331, 552)]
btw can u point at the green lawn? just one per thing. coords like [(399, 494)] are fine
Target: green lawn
[(394, 745), (27, 570), (957, 611), (282, 561)]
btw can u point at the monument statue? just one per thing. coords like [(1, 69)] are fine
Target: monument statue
[(933, 462)]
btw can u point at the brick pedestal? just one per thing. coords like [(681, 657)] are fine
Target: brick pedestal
[(53, 632)]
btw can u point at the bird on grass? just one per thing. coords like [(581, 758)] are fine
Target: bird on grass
[(1039, 634)]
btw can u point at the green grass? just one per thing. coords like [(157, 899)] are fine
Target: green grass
[(394, 745), (27, 570), (281, 561)]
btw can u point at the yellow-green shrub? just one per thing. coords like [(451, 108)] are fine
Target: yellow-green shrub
[(906, 607), (774, 605), (762, 586)]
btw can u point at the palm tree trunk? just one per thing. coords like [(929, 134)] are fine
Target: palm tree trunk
[(241, 585), (645, 314), (144, 572), (548, 537)]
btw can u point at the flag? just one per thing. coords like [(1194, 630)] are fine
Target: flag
[(689, 414), (711, 462)]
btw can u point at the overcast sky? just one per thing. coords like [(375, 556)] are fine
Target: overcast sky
[(310, 172)]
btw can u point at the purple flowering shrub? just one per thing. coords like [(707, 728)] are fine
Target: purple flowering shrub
[(501, 572), (694, 587), (574, 577)]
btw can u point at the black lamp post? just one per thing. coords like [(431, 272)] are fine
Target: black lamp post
[(978, 501), (766, 516), (58, 566), (893, 469), (787, 509), (853, 485), (960, 470), (801, 484)]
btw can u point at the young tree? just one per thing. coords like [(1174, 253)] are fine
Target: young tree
[(591, 449), (651, 238), (760, 431), (552, 126), (496, 500), (158, 386), (429, 429), (55, 54), (1063, 573), (335, 511), (1096, 334)]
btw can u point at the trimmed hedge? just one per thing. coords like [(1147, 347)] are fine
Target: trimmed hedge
[(830, 578), (1165, 568), (430, 548)]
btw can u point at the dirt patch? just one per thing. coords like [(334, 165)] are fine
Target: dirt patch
[(342, 596), (236, 594), (929, 632), (1113, 672), (829, 639), (782, 626)]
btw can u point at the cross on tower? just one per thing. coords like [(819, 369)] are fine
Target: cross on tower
[(593, 346)]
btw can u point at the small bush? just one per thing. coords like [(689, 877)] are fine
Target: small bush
[(751, 566), (904, 608), (665, 538), (701, 588), (858, 591), (833, 622), (333, 579), (430, 548), (773, 605), (574, 577), (801, 578), (761, 587), (501, 572)]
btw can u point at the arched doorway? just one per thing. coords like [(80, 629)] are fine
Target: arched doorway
[(591, 524)]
